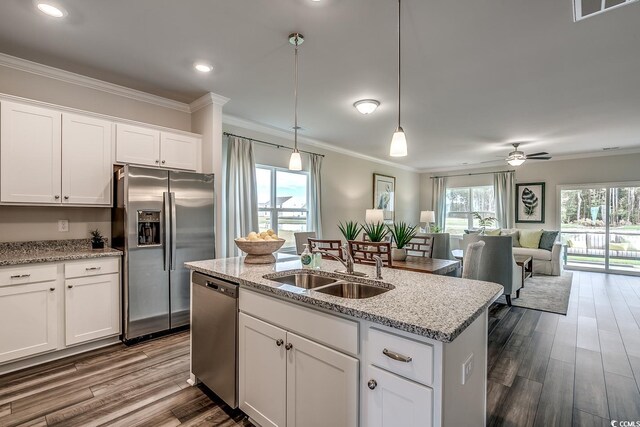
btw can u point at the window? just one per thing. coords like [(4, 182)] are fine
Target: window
[(585, 8), (282, 202), (461, 202)]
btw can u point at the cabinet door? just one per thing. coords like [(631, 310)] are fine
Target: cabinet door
[(28, 320), (178, 151), (322, 385), (86, 160), (137, 145), (263, 371), (92, 308), (395, 401), (30, 151)]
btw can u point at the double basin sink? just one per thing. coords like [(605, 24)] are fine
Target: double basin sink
[(343, 288)]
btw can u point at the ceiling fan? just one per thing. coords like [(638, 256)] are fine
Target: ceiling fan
[(517, 157)]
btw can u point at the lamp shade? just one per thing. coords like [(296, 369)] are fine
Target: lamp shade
[(398, 144), (374, 216), (295, 162), (427, 216)]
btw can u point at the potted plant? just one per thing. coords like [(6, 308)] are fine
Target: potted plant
[(376, 232), (97, 239), (350, 230), (435, 229), (484, 222), (402, 234)]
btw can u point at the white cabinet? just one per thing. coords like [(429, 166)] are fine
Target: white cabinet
[(394, 401), (150, 147), (30, 151), (286, 379), (92, 308), (28, 319), (86, 160)]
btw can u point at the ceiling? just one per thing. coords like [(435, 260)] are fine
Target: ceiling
[(477, 74)]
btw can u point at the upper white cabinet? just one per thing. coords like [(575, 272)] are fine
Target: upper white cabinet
[(30, 154), (144, 146), (86, 160)]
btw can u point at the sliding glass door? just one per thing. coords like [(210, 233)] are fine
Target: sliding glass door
[(600, 226)]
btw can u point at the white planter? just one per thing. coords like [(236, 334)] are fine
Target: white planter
[(398, 254)]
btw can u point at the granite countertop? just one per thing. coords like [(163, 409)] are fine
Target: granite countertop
[(17, 253), (433, 306)]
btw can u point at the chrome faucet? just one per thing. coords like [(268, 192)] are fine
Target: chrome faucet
[(378, 261), (347, 262)]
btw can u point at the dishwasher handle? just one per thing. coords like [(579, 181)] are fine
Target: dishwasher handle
[(214, 284)]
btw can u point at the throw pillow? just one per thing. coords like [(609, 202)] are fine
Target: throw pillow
[(530, 238), (515, 235), (495, 232), (547, 239)]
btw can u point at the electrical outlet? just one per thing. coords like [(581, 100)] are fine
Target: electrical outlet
[(467, 369), (63, 225)]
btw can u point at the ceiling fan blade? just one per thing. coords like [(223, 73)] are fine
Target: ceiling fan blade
[(539, 158), (542, 153)]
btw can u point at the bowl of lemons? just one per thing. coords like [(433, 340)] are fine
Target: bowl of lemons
[(260, 247)]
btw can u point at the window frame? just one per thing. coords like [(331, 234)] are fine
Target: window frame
[(469, 214)]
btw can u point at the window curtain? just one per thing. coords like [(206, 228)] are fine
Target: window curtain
[(504, 190), (315, 196), (239, 198), (439, 200)]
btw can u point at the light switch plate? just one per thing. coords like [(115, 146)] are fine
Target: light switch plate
[(467, 369), (63, 225)]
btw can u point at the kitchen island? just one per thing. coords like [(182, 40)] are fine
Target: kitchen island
[(412, 355)]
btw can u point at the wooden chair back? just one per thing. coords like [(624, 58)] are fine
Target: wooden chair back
[(420, 246), (363, 252), (334, 247)]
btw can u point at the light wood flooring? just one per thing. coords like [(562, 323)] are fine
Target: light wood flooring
[(544, 369)]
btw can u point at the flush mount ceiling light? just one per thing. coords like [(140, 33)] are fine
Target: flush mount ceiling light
[(399, 140), (366, 106), (295, 162), (54, 11), (203, 67)]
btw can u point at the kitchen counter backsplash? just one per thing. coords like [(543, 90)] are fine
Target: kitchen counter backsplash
[(14, 253)]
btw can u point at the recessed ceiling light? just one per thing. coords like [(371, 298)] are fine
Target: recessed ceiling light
[(203, 67), (51, 10), (366, 106)]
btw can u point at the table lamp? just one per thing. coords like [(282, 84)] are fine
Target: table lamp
[(429, 217), (374, 216)]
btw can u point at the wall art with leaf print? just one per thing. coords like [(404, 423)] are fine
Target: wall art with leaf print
[(530, 202)]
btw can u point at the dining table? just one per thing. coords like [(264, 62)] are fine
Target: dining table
[(427, 265)]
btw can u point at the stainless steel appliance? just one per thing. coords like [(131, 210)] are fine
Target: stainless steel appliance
[(160, 220), (214, 332)]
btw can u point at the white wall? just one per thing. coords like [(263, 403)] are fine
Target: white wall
[(620, 168), (347, 181)]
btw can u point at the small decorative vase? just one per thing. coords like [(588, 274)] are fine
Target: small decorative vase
[(97, 245), (398, 254)]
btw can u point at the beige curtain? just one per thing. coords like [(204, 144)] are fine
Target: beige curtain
[(439, 200), (315, 194), (504, 190)]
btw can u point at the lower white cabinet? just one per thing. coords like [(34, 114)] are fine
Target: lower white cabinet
[(28, 319), (92, 308), (288, 380), (395, 401)]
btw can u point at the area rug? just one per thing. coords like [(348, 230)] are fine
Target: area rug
[(544, 293)]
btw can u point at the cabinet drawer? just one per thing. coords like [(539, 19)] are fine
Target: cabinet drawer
[(28, 274), (91, 267), (383, 350)]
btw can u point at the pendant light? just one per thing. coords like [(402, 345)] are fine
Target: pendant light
[(399, 140), (295, 162)]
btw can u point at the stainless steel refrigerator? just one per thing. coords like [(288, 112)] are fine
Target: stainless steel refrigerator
[(160, 220)]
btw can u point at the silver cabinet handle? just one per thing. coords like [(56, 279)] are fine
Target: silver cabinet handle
[(52, 289), (396, 356), (279, 342), (20, 276), (163, 162), (289, 346), (56, 197), (93, 268), (70, 286), (372, 384), (66, 197)]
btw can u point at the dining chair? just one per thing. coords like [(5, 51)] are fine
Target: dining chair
[(363, 252), (471, 262), (301, 239), (334, 247), (421, 246)]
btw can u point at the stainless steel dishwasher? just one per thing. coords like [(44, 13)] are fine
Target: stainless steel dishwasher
[(214, 329)]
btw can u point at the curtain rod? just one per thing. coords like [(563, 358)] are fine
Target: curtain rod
[(471, 174), (270, 143)]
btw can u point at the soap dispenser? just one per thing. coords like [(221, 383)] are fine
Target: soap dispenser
[(306, 258)]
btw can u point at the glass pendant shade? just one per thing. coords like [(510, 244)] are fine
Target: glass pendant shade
[(398, 144), (295, 162)]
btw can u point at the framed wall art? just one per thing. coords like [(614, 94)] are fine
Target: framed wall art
[(530, 202), (384, 195)]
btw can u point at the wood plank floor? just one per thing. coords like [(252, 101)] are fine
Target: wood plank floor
[(544, 370)]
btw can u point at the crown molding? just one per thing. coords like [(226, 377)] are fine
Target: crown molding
[(269, 130), (208, 98), (89, 82)]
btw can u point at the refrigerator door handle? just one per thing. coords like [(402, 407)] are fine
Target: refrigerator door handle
[(172, 198), (167, 229)]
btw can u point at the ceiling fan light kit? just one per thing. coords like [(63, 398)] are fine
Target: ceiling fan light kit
[(517, 157), (399, 140), (295, 161)]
